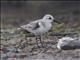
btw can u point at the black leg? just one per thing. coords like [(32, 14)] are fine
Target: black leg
[(37, 41), (41, 41)]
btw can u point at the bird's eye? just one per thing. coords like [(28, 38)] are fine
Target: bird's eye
[(49, 18)]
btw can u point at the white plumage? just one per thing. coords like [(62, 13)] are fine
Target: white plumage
[(40, 26)]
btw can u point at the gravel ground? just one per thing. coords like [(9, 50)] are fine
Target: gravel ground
[(26, 49)]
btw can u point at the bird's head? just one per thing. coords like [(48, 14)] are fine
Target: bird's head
[(48, 17)]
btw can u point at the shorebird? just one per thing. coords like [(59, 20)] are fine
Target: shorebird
[(39, 27)]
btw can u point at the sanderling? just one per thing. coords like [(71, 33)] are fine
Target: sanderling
[(40, 26)]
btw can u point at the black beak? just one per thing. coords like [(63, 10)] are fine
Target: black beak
[(57, 21)]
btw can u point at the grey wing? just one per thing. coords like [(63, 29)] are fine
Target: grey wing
[(31, 26), (36, 26)]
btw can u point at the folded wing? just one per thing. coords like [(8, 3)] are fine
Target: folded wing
[(31, 26)]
